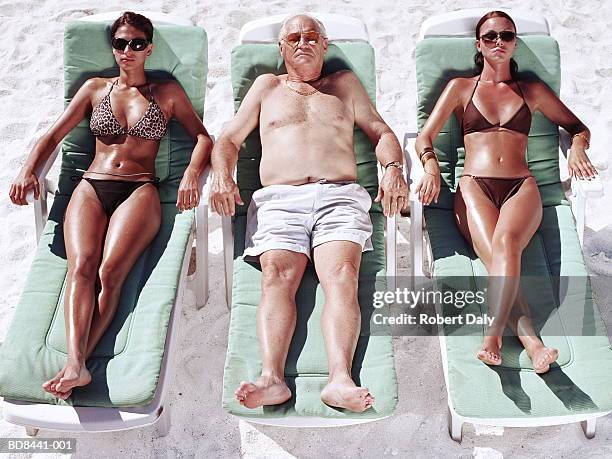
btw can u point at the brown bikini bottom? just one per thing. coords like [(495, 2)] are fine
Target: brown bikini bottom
[(499, 189)]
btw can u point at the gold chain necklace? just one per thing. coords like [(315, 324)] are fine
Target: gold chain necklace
[(314, 90)]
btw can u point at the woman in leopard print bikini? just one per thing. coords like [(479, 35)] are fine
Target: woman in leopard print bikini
[(114, 212)]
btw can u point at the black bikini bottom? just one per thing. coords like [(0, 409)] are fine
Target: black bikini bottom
[(111, 193), (499, 189)]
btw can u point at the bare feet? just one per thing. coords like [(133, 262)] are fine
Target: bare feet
[(542, 357), (267, 390), (342, 392), (72, 375), (491, 350)]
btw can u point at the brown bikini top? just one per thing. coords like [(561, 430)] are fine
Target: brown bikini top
[(152, 125), (474, 121)]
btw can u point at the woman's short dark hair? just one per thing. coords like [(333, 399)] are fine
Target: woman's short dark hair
[(478, 58), (136, 20)]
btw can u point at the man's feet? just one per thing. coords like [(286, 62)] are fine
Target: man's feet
[(73, 374), (342, 392), (491, 350), (542, 357), (267, 390)]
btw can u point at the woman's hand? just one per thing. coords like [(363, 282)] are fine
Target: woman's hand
[(428, 188), (189, 191), (24, 182), (579, 165)]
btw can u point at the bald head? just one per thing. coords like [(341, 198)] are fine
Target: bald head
[(318, 25)]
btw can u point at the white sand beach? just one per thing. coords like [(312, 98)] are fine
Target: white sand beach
[(31, 89)]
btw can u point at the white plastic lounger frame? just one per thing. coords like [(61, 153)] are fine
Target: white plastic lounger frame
[(338, 28), (97, 419), (463, 23)]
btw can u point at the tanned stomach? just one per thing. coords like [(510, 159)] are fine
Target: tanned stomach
[(496, 154)]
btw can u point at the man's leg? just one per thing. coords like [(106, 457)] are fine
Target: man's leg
[(282, 271), (337, 265)]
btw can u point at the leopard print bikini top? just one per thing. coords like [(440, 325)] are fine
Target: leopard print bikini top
[(151, 126)]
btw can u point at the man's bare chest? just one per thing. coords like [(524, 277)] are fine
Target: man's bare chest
[(283, 109)]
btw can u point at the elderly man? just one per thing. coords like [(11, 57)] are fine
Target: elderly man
[(310, 207)]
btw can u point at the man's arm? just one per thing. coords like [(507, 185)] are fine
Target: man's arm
[(393, 190), (224, 193)]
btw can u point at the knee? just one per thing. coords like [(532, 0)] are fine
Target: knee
[(507, 245), (84, 268), (344, 272), (111, 277), (279, 275)]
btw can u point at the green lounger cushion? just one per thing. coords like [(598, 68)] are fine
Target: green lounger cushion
[(306, 368), (126, 364), (579, 382)]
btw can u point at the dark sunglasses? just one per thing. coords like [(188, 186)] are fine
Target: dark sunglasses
[(136, 44), (491, 36), (293, 39)]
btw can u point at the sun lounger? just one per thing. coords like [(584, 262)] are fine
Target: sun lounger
[(132, 365), (578, 387)]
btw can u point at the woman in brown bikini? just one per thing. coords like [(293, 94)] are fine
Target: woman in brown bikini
[(114, 212), (497, 204)]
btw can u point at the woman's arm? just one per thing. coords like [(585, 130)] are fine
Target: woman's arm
[(546, 101), (77, 109), (429, 187), (182, 110)]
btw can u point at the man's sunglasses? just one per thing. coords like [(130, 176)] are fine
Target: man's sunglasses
[(293, 39), (136, 44), (505, 36)]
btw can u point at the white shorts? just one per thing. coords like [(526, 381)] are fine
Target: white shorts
[(301, 217)]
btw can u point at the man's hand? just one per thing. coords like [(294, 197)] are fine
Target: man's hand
[(393, 191), (224, 195)]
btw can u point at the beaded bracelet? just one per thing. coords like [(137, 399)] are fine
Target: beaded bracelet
[(583, 137)]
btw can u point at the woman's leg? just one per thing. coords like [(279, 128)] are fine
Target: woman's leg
[(84, 227), (519, 219), (476, 217), (131, 229)]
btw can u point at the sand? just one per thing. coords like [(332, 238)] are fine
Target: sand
[(31, 99)]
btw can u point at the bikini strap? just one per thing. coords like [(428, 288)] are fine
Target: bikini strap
[(520, 90), (112, 86), (151, 98), (475, 86)]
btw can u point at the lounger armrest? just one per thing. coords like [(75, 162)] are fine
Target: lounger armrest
[(582, 189), (413, 163), (47, 186), (416, 207)]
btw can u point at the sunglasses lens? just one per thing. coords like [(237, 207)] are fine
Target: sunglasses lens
[(293, 39), (119, 43), (507, 36), (311, 38), (139, 44), (489, 37)]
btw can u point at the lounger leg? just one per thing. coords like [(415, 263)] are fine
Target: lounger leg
[(455, 425), (31, 431), (589, 427), (164, 422)]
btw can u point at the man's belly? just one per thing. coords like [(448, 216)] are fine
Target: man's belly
[(296, 156)]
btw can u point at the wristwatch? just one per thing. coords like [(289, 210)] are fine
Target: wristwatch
[(397, 164)]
